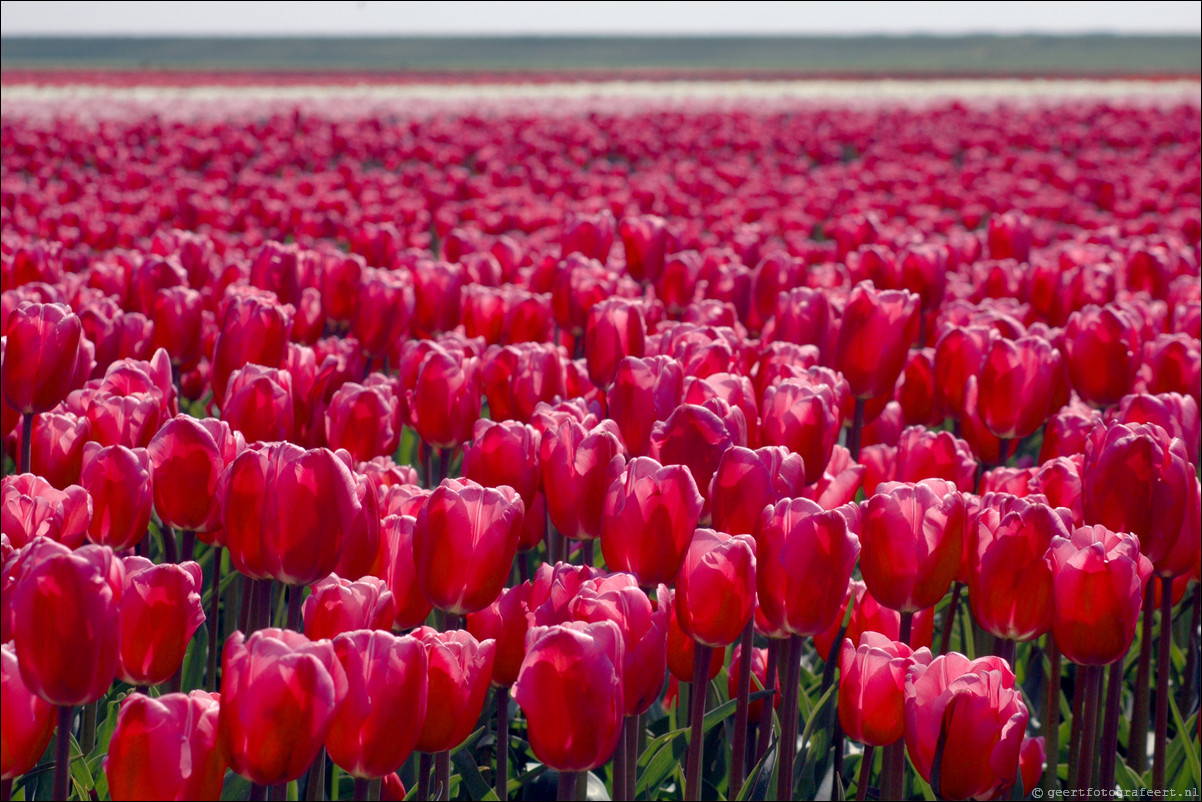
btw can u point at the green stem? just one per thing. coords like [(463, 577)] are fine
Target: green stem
[(738, 749), (62, 753), (1160, 738), (1137, 738), (865, 772), (1051, 718), (701, 665), (26, 441), (784, 786)]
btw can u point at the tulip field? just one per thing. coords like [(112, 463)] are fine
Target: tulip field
[(731, 440)]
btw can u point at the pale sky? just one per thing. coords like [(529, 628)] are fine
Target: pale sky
[(356, 17)]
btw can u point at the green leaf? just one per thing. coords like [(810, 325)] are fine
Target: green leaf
[(1190, 748), (1127, 779), (755, 787), (660, 767), (235, 787), (468, 742), (470, 772), (818, 708), (195, 660), (523, 779)]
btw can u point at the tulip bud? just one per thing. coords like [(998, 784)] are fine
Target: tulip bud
[(872, 687), (160, 611), (166, 748)]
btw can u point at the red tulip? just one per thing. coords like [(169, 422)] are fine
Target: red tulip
[(874, 337), (120, 482), (805, 557), (960, 353), (504, 453), (643, 391), (464, 543), (696, 437), (364, 419), (178, 316), (436, 289), (279, 694), (28, 720), (1135, 478), (258, 403), (56, 449), (338, 605), (254, 330), (383, 312), (340, 282), (287, 512), (189, 456), (1009, 236), (517, 378), (973, 709), (1098, 589), (65, 621), (644, 625), (445, 401), (839, 482), (1010, 584), (1172, 363), (44, 342), (1103, 350), (715, 587), (615, 330), (166, 748), (31, 508), (1016, 385), (803, 416), (589, 235), (160, 611), (872, 687), (746, 481), (506, 621), (400, 572), (570, 690), (868, 615), (1177, 414), (460, 668), (912, 536), (375, 729), (574, 463), (682, 648), (647, 240), (648, 519)]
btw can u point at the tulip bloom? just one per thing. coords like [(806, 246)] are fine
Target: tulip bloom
[(460, 668), (504, 453), (759, 676), (65, 621), (974, 710), (872, 687), (746, 481), (912, 536), (643, 391), (400, 573), (464, 543), (56, 448), (1017, 382), (258, 403), (445, 400), (31, 508), (1135, 478), (287, 512), (1104, 351), (804, 417), (160, 611), (715, 587), (868, 615), (646, 240), (648, 519), (279, 694), (189, 457), (574, 462), (874, 338), (805, 557), (570, 689), (618, 598), (44, 344), (254, 329), (505, 621), (364, 419), (375, 729), (384, 310), (166, 748), (28, 720), (1010, 584), (1099, 579), (119, 480), (616, 330), (338, 605), (960, 353)]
